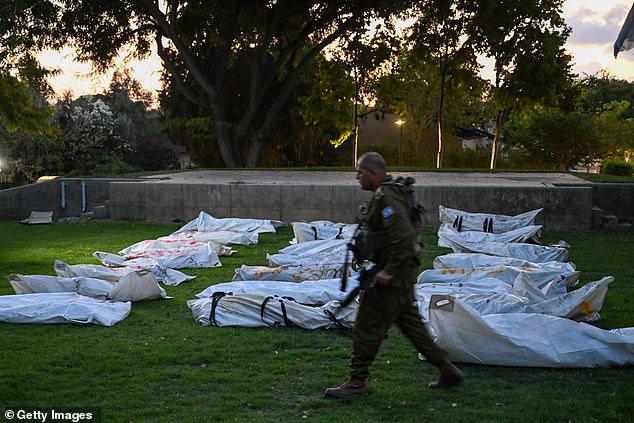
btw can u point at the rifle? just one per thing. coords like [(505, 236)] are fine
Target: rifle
[(350, 248), (366, 276)]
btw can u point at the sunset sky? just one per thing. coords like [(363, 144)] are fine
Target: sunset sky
[(595, 26)]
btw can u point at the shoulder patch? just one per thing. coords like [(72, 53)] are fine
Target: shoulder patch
[(387, 212)]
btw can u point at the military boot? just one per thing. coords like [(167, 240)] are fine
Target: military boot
[(352, 388), (450, 376)]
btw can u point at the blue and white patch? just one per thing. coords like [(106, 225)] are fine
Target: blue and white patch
[(387, 212)]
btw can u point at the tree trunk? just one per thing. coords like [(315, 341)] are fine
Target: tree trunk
[(443, 73), (494, 147), (355, 154), (225, 143), (255, 146), (356, 144), (439, 155)]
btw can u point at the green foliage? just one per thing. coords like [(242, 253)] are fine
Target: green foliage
[(364, 59), (249, 61), (603, 178), (197, 135), (614, 129), (555, 139), (342, 138), (256, 66), (560, 140), (20, 108), (541, 75), (409, 92), (328, 110), (526, 44), (617, 167), (137, 124), (23, 82), (437, 82), (158, 365), (331, 99), (467, 159), (602, 89), (413, 92), (87, 143), (439, 35), (106, 134), (242, 65), (30, 156), (517, 158), (89, 135)]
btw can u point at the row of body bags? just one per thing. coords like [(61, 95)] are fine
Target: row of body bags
[(198, 244), (517, 294), (102, 294)]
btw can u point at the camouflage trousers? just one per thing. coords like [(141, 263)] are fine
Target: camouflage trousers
[(397, 305)]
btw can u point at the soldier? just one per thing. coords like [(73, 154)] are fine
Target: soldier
[(388, 238)]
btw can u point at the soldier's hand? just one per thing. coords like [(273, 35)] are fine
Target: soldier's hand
[(382, 278)]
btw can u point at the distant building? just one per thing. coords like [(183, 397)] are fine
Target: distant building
[(475, 139), (379, 131), (379, 127)]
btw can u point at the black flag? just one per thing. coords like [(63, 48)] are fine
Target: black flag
[(625, 40)]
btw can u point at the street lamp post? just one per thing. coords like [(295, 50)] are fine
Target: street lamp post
[(400, 123)]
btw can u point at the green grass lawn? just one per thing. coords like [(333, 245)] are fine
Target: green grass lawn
[(159, 365)]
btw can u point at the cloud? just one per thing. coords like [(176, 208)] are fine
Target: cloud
[(588, 68), (621, 68), (592, 27)]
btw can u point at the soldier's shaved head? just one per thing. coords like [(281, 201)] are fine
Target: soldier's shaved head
[(373, 160), (371, 171)]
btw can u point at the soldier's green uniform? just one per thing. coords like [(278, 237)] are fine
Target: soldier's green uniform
[(388, 238)]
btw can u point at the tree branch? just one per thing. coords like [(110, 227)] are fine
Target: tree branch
[(285, 53), (290, 81), (175, 76), (169, 31)]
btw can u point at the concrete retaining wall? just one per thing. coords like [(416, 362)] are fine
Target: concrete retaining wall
[(17, 203), (565, 208), (158, 202), (616, 199)]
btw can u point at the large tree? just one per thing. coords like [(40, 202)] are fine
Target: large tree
[(440, 38), (560, 140), (414, 92), (525, 40), (21, 107), (367, 57), (331, 101), (147, 144), (612, 100), (603, 88), (23, 82), (205, 45)]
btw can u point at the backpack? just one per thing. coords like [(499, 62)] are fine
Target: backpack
[(416, 210)]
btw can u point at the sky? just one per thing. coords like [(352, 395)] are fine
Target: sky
[(595, 26)]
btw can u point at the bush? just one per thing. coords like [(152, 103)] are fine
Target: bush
[(617, 167), (467, 159), (152, 152), (518, 158)]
